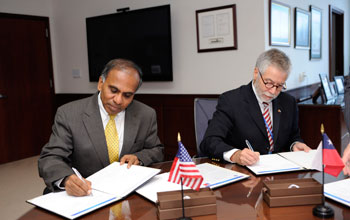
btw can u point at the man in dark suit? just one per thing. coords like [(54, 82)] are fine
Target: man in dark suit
[(258, 113), (346, 153), (78, 136)]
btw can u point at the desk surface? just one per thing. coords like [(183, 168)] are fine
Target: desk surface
[(234, 201)]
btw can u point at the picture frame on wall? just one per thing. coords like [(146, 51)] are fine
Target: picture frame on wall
[(216, 28), (279, 20), (316, 33), (301, 29)]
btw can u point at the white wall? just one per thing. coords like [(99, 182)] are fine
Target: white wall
[(300, 58), (193, 73)]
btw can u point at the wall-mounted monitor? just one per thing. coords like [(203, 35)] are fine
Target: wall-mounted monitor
[(339, 83), (143, 36)]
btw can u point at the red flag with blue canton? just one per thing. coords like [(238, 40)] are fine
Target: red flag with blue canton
[(331, 159), (183, 167)]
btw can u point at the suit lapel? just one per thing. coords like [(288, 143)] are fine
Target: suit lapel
[(277, 111), (93, 124), (130, 128)]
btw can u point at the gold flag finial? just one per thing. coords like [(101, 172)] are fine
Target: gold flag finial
[(322, 128), (178, 137)]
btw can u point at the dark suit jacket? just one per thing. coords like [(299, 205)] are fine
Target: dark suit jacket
[(78, 139), (238, 118), (347, 101)]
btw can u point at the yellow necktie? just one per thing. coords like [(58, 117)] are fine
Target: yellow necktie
[(112, 140), (117, 210)]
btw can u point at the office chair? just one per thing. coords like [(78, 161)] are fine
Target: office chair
[(204, 109)]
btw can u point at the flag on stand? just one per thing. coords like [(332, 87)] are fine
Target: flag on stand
[(331, 159), (183, 167)]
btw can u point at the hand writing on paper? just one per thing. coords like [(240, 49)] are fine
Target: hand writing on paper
[(298, 146), (77, 187), (245, 157), (130, 159), (346, 160)]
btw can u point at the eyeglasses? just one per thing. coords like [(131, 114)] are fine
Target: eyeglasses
[(270, 85)]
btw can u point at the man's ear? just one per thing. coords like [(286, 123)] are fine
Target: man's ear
[(100, 83), (255, 74)]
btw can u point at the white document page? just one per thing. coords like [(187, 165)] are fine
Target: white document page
[(214, 176), (301, 158), (273, 163), (158, 183), (338, 191), (119, 180), (108, 185), (70, 206)]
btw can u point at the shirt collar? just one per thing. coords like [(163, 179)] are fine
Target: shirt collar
[(104, 113)]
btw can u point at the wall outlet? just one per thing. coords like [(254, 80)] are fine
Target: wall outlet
[(302, 76), (76, 73)]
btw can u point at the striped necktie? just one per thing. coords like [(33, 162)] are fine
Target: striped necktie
[(112, 140), (268, 124)]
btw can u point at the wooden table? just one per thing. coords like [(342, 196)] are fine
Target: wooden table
[(238, 200)]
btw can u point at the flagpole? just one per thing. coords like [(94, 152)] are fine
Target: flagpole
[(323, 211), (182, 198), (182, 191)]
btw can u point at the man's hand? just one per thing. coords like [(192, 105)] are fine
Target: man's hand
[(245, 157), (130, 159), (298, 146), (76, 187), (346, 160)]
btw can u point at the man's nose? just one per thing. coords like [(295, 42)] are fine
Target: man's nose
[(118, 99), (273, 90)]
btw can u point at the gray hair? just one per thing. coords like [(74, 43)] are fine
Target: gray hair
[(273, 57), (121, 64)]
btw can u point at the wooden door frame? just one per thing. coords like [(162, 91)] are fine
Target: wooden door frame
[(333, 10), (47, 72), (47, 23)]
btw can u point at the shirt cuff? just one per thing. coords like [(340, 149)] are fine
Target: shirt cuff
[(58, 183), (228, 155), (292, 145)]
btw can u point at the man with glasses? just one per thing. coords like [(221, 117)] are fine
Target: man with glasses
[(257, 118)]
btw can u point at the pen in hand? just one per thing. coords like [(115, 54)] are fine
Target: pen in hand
[(80, 177), (249, 145)]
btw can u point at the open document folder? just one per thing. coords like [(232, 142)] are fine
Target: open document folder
[(338, 191), (283, 162), (214, 176), (110, 184)]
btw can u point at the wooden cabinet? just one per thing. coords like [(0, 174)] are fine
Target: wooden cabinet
[(332, 116)]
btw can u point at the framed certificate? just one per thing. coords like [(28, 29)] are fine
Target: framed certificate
[(216, 29)]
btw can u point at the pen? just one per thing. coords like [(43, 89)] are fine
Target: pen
[(249, 145), (79, 176)]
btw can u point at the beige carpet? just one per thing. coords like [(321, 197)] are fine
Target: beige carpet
[(19, 182)]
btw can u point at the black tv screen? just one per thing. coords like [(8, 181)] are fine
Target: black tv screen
[(143, 36)]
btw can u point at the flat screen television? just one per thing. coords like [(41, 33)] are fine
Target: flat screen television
[(143, 36)]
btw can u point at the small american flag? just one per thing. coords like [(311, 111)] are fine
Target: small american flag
[(184, 167)]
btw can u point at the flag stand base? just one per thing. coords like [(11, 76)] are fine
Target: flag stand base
[(323, 211), (184, 218)]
